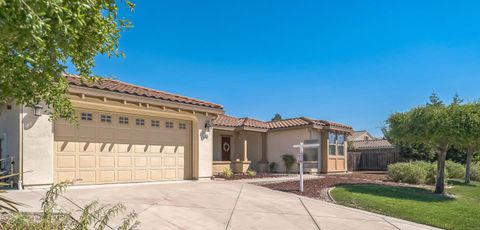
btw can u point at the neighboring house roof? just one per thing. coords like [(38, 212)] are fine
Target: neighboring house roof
[(229, 121), (372, 144), (126, 88), (357, 135)]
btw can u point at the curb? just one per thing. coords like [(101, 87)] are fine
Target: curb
[(330, 195)]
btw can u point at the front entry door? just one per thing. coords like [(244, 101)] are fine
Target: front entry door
[(226, 147)]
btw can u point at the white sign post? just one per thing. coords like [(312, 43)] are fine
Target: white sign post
[(301, 146)]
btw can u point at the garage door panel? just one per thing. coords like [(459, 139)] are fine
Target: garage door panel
[(106, 161), (87, 147), (65, 146), (169, 161), (102, 152), (155, 149), (170, 173), (155, 174), (141, 148), (66, 162), (86, 161), (140, 175), (86, 177), (141, 161), (65, 176), (106, 176), (106, 147), (155, 161), (124, 148), (124, 161), (124, 175), (169, 149)]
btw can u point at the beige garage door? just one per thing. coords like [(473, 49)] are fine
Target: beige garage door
[(115, 148)]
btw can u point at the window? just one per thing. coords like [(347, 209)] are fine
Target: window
[(182, 126), (123, 120), (140, 122), (332, 147), (106, 118), (310, 153), (169, 124), (86, 117), (155, 123), (341, 144)]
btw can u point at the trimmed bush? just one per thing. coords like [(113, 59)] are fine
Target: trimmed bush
[(455, 170), (416, 172), (272, 166), (475, 172), (408, 172), (288, 161)]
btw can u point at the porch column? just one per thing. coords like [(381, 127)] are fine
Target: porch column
[(264, 147), (245, 146)]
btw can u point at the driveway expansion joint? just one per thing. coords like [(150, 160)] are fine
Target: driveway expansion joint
[(395, 226), (234, 206), (310, 214)]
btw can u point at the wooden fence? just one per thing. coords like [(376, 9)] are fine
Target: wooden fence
[(375, 161)]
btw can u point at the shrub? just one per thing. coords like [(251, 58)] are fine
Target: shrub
[(409, 172), (416, 172), (227, 172), (288, 161), (251, 173), (455, 170), (272, 166), (475, 172)]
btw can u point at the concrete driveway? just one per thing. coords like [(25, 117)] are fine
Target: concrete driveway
[(220, 205)]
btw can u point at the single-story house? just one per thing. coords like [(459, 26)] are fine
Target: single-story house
[(361, 135), (245, 143), (128, 133)]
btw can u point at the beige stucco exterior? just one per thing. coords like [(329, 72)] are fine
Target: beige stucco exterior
[(34, 141), (267, 146)]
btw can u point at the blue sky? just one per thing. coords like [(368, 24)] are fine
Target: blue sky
[(353, 62)]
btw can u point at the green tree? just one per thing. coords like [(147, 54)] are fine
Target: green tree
[(430, 125), (277, 117), (467, 119), (40, 37)]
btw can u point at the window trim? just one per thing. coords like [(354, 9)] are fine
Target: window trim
[(169, 124), (88, 116), (105, 118), (140, 121), (123, 120)]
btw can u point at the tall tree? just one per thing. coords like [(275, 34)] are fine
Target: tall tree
[(38, 38), (430, 125), (467, 118), (277, 117)]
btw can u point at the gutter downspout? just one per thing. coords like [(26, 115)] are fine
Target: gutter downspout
[(20, 152)]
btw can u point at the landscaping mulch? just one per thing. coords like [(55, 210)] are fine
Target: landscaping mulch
[(245, 176), (318, 188)]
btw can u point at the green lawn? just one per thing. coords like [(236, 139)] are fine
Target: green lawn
[(417, 205)]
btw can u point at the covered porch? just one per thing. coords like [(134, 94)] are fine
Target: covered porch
[(239, 149)]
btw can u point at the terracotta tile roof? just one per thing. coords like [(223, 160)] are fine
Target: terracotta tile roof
[(122, 87), (372, 144), (228, 121)]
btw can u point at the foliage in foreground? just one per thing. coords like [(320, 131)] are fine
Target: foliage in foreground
[(39, 37), (53, 216), (227, 172), (418, 205)]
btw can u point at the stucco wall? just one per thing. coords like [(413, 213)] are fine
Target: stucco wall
[(281, 142), (205, 148), (37, 148), (254, 146), (9, 132)]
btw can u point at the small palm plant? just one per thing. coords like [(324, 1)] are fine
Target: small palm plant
[(288, 161), (7, 205)]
